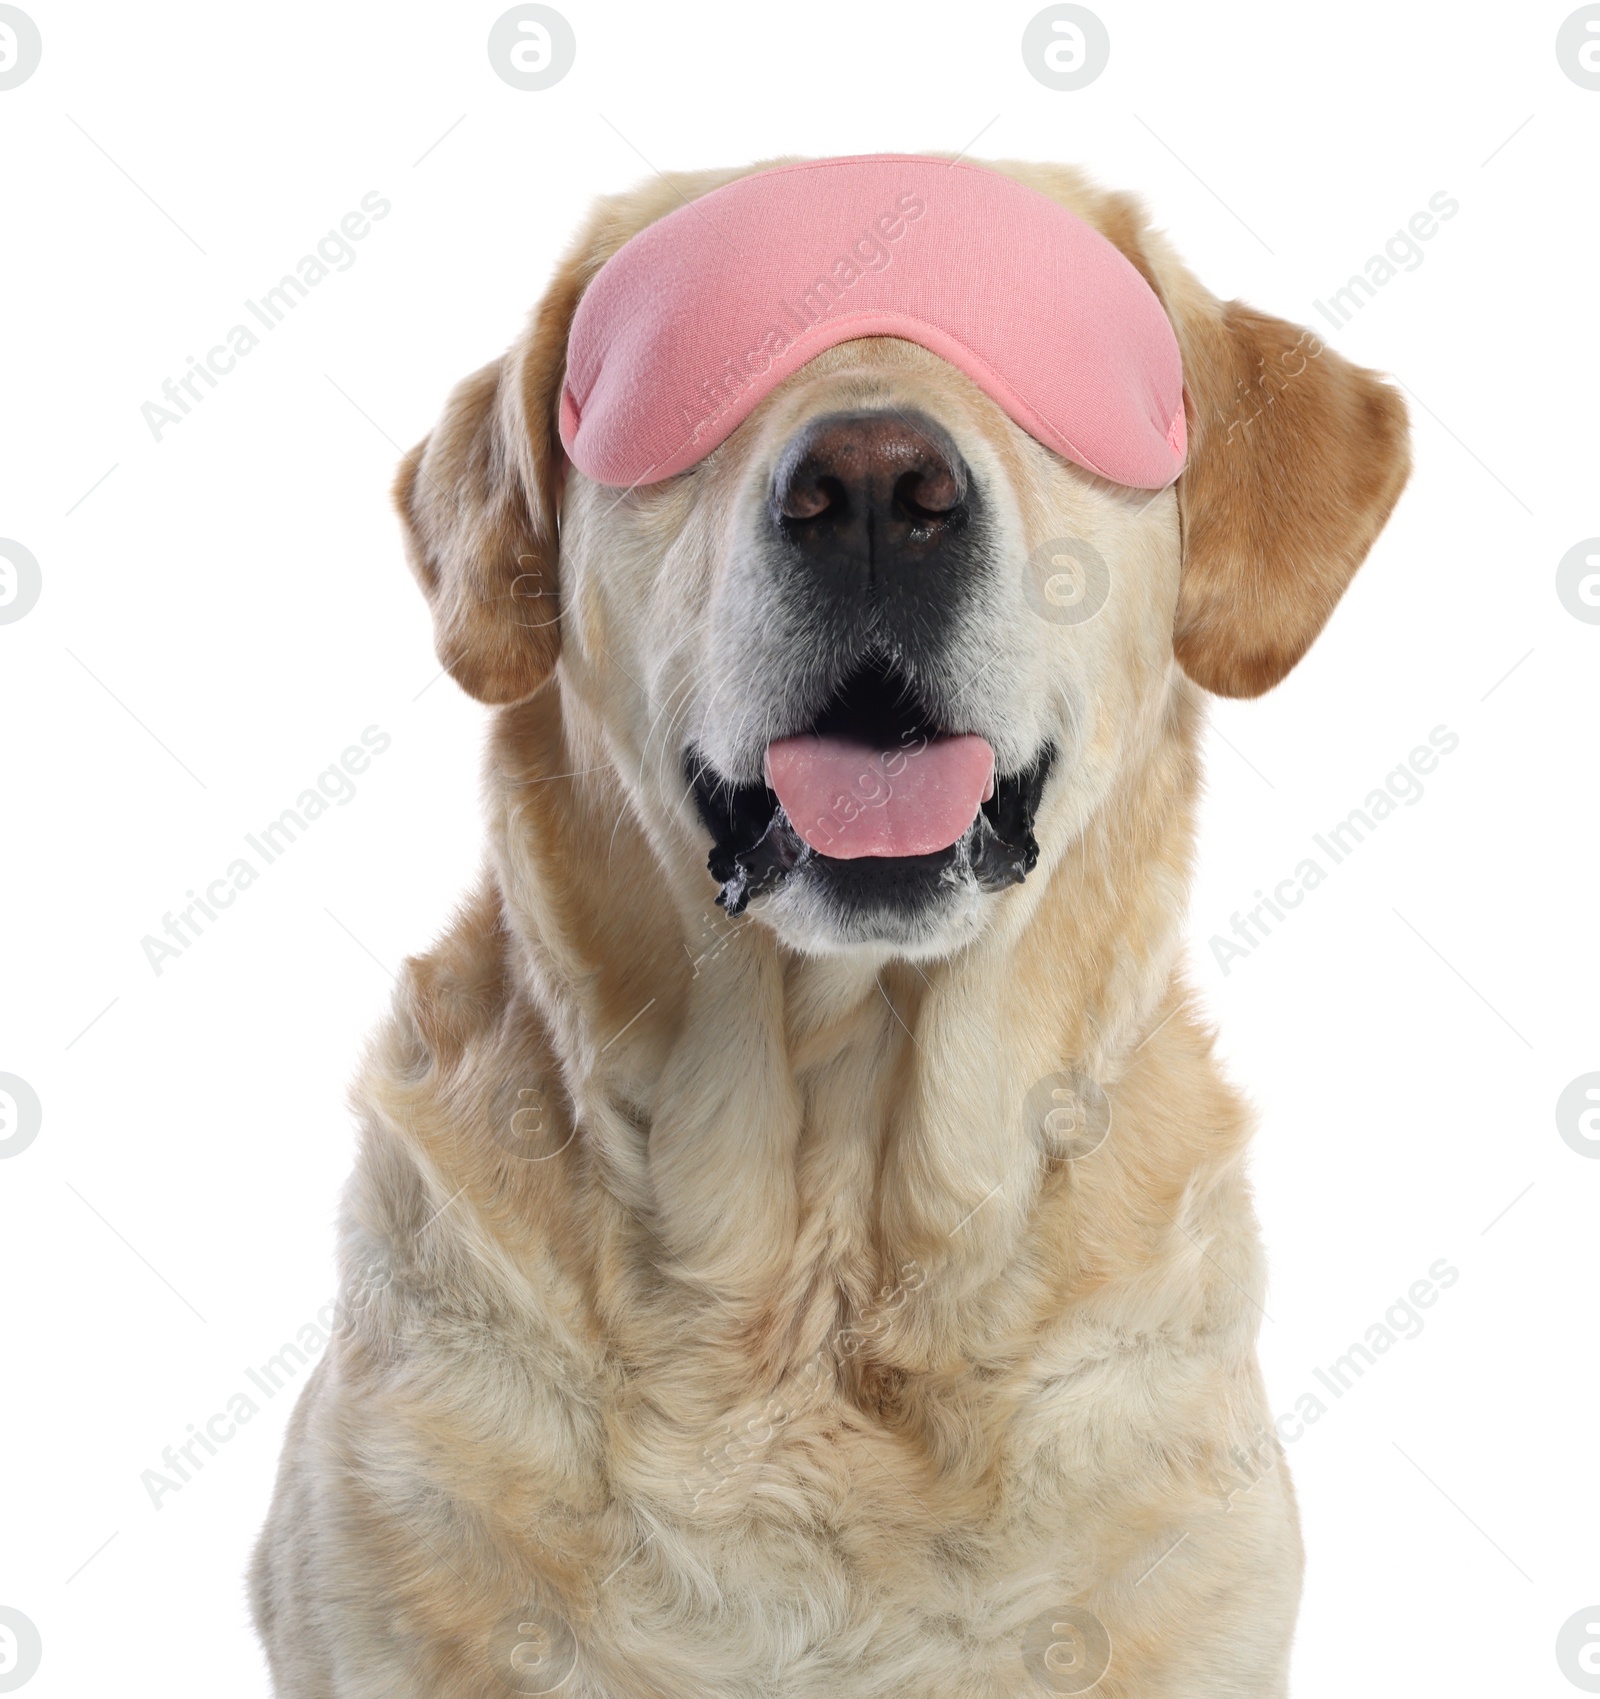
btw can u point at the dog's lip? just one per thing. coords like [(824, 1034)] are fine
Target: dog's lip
[(755, 848)]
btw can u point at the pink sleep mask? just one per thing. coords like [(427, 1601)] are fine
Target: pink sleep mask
[(693, 321)]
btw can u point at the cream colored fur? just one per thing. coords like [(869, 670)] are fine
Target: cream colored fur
[(715, 1320)]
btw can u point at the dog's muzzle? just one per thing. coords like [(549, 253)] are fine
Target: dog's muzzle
[(875, 545)]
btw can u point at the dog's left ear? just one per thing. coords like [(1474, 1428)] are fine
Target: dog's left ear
[(1296, 458), (479, 499)]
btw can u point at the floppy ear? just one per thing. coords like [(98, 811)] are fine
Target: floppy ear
[(479, 500), (1296, 458)]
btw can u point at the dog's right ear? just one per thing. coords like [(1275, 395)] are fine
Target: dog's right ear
[(1296, 458), (479, 499)]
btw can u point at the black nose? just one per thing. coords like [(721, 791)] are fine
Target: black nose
[(873, 501)]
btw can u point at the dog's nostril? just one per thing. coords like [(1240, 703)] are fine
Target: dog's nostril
[(931, 492), (809, 497), (870, 472)]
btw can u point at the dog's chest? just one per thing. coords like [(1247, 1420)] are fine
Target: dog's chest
[(853, 1530), (851, 1548)]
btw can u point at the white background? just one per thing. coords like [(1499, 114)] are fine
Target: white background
[(228, 608)]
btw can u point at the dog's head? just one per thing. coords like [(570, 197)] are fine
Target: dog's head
[(881, 654)]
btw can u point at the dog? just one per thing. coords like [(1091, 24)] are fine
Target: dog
[(780, 1265)]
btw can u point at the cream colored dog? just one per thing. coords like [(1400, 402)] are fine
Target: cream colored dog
[(857, 1297)]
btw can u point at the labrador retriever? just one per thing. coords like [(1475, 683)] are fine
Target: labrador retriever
[(777, 1273)]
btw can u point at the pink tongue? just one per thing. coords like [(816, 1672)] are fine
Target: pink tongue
[(849, 799)]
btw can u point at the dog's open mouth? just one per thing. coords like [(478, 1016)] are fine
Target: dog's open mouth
[(876, 795)]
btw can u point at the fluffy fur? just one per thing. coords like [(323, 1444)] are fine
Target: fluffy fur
[(714, 1319)]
